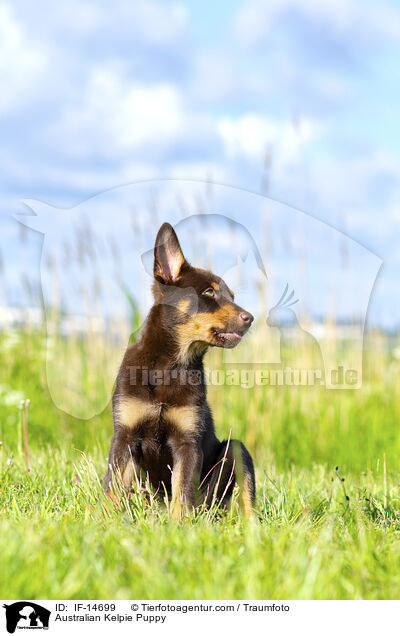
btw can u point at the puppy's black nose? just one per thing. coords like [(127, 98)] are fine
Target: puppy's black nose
[(246, 318)]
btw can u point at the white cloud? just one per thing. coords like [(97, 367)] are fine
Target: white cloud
[(251, 135), (142, 21), (115, 116), (156, 22), (21, 62), (257, 19)]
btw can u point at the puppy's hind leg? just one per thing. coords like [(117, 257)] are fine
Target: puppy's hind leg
[(245, 478), (233, 465)]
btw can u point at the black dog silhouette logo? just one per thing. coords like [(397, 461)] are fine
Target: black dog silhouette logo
[(26, 615)]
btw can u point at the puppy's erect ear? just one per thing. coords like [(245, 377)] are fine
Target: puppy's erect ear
[(168, 257)]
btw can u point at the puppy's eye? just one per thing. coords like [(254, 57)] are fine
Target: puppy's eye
[(209, 292)]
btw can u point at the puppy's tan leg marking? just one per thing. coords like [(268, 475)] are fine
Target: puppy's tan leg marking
[(124, 477), (246, 498), (176, 507), (111, 496), (131, 475), (242, 480)]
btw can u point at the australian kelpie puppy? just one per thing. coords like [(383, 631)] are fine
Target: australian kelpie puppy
[(163, 427)]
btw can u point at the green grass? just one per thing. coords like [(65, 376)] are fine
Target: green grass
[(313, 535)]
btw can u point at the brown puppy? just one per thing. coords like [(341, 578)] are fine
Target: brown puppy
[(163, 427)]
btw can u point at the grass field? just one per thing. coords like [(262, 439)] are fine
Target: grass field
[(314, 535)]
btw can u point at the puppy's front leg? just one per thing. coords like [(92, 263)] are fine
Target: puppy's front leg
[(121, 466), (187, 462)]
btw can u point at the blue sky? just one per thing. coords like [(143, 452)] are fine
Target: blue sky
[(97, 95)]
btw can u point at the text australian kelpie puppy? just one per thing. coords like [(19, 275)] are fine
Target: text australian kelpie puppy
[(163, 427)]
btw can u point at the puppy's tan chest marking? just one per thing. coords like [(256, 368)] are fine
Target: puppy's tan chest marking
[(132, 411), (184, 418)]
